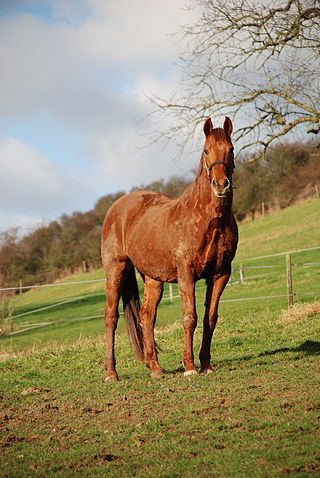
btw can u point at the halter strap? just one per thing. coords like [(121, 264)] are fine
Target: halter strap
[(208, 168)]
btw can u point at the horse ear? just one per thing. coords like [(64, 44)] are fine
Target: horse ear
[(208, 127), (227, 126)]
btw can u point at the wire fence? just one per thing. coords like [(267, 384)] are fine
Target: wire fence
[(58, 284), (241, 274), (247, 267)]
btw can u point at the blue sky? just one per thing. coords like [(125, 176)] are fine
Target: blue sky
[(73, 109)]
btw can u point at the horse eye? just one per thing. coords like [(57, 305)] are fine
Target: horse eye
[(206, 151)]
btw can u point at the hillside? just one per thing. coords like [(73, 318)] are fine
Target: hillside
[(296, 227)]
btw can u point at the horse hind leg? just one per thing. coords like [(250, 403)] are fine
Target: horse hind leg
[(115, 274), (152, 295)]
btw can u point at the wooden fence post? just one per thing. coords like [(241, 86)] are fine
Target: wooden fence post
[(289, 280), (170, 292), (241, 272)]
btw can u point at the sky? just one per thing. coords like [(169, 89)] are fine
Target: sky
[(75, 76)]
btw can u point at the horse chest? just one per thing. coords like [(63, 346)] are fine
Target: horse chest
[(213, 253)]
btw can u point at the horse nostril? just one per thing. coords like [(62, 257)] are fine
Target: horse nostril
[(226, 183)]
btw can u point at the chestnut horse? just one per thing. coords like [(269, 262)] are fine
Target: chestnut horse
[(171, 240)]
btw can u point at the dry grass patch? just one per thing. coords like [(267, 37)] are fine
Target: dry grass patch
[(301, 312)]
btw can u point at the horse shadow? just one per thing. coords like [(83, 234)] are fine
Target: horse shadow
[(309, 347)]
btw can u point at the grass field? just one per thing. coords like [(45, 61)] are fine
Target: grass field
[(257, 415)]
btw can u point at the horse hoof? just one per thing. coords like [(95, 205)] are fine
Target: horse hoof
[(112, 378), (207, 371), (158, 373), (190, 372)]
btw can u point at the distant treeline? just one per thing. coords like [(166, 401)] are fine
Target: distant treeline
[(290, 172)]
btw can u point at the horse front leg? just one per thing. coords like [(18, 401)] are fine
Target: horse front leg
[(215, 287), (187, 293)]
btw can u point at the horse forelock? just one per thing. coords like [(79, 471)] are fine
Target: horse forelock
[(220, 135)]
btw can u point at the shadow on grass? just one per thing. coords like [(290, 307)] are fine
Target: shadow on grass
[(174, 371), (309, 347)]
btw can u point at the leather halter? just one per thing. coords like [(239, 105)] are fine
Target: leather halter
[(208, 168)]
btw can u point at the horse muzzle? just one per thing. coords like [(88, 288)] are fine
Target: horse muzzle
[(220, 188)]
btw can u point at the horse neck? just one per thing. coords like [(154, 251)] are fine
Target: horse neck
[(200, 199)]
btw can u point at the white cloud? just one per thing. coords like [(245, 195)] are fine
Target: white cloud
[(139, 33), (23, 222), (42, 62), (87, 70), (30, 181), (119, 162)]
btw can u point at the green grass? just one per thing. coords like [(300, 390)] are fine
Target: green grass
[(293, 228), (256, 415)]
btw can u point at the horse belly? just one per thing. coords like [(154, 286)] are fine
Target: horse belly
[(151, 253), (155, 266)]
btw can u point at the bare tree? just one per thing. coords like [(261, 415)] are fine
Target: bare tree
[(255, 60)]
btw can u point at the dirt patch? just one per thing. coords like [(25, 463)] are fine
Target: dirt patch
[(313, 468), (33, 390)]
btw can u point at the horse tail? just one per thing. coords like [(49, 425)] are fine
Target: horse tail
[(131, 306)]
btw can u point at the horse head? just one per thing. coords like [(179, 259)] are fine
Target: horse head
[(218, 157)]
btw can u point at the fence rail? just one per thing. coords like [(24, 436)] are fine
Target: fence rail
[(279, 254), (58, 284)]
